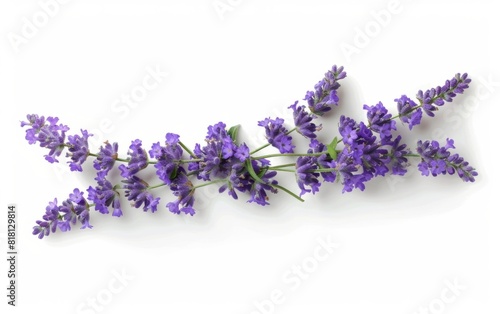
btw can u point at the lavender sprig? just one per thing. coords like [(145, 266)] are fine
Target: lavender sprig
[(431, 99), (277, 134), (360, 152), (50, 135), (438, 96), (438, 160), (325, 95)]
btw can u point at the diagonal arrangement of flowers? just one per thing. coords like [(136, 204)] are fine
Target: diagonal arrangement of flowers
[(360, 152)]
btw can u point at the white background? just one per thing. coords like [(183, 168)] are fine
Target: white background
[(400, 241)]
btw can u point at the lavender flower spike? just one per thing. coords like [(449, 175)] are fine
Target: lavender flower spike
[(168, 157), (306, 176), (325, 95), (216, 156), (78, 148), (303, 120), (138, 160), (183, 189), (379, 121), (438, 96), (136, 190), (105, 195), (438, 160), (106, 158), (50, 135), (277, 134), (409, 111), (50, 220)]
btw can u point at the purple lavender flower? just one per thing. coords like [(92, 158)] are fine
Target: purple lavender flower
[(239, 179), (368, 153), (50, 221), (137, 161), (356, 181), (74, 209), (362, 158), (42, 229), (168, 157), (217, 156), (397, 160), (106, 157), (277, 134), (212, 164), (217, 132), (137, 191), (409, 111), (183, 189), (347, 171), (302, 121), (325, 95), (50, 136), (379, 121), (242, 153), (258, 190), (306, 175), (323, 161), (78, 150), (105, 195), (441, 94), (348, 130), (36, 123), (438, 160), (465, 171)]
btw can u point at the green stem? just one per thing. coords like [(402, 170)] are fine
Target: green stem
[(117, 159), (260, 148), (187, 149), (281, 166), (324, 170), (284, 170), (208, 183), (156, 186), (289, 155), (189, 160), (412, 155), (192, 172), (311, 171), (287, 191)]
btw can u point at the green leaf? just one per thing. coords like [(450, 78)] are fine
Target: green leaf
[(174, 173), (233, 132), (332, 151), (251, 171)]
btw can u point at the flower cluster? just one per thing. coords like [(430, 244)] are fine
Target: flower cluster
[(325, 95), (48, 133), (277, 134), (358, 153), (438, 160), (319, 102), (430, 100), (74, 209)]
